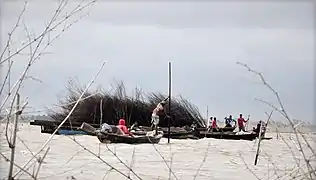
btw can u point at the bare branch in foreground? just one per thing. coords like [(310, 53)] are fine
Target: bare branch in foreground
[(128, 167), (132, 162), (52, 135), (203, 161), (40, 162), (112, 167), (241, 157), (284, 113), (22, 169), (165, 161)]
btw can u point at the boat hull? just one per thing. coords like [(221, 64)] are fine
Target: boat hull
[(229, 136), (115, 138), (224, 129), (70, 132)]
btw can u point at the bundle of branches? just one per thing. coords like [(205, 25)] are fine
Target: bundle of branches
[(137, 108)]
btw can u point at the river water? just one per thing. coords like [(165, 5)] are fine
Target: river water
[(200, 159)]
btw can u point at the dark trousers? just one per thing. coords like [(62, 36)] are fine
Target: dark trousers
[(242, 128)]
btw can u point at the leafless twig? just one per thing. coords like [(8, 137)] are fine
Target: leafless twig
[(284, 113), (203, 161)]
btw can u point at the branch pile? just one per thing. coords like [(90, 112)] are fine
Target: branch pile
[(117, 104)]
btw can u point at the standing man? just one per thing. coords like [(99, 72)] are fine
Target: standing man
[(160, 108), (241, 122)]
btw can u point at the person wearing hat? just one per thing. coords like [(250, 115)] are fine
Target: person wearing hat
[(160, 108)]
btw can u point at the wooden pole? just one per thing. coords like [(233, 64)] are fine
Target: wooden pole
[(246, 129), (12, 141), (207, 116), (169, 102), (101, 112)]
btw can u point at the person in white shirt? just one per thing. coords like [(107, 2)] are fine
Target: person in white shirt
[(209, 122), (160, 108)]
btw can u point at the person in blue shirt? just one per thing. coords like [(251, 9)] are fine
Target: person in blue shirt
[(229, 120)]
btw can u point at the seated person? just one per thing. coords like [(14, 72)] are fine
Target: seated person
[(257, 129), (123, 127), (229, 120)]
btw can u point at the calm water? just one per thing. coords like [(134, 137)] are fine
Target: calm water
[(217, 159)]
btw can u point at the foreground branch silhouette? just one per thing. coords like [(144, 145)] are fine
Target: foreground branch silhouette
[(311, 174), (36, 46)]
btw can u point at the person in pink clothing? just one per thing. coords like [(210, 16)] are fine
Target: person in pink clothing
[(214, 123), (122, 126), (241, 122)]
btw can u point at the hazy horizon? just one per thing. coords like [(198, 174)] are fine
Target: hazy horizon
[(202, 40)]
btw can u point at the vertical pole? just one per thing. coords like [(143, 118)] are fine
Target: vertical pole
[(12, 141), (101, 112), (260, 131), (207, 115), (169, 101), (258, 147)]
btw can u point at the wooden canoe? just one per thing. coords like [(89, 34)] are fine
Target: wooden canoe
[(116, 138), (224, 129), (228, 135)]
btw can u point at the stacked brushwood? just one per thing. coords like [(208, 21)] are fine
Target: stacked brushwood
[(117, 104)]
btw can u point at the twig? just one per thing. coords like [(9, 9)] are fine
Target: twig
[(12, 31), (203, 161), (248, 167), (119, 159), (40, 162), (22, 169), (164, 160), (52, 135), (74, 155), (108, 164), (22, 141), (107, 172), (132, 162), (284, 113), (6, 78), (171, 160), (12, 142)]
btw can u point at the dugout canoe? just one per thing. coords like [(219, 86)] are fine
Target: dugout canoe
[(116, 138)]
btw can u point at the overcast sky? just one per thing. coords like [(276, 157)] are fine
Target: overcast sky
[(203, 40)]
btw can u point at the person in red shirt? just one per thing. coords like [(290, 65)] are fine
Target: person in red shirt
[(241, 122), (123, 127), (214, 123)]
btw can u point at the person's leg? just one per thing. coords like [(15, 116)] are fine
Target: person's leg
[(152, 122), (156, 121)]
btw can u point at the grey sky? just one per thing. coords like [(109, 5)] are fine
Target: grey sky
[(203, 40)]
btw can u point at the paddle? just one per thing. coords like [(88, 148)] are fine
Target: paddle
[(247, 122)]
